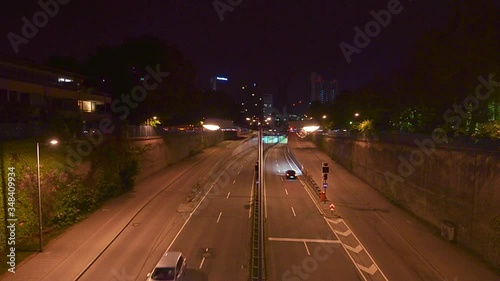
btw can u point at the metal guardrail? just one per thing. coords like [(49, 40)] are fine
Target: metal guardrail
[(254, 264)]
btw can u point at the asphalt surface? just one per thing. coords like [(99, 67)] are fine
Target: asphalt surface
[(300, 244), (380, 237), (127, 235), (216, 238), (364, 238)]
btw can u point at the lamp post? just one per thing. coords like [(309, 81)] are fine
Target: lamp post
[(40, 225)]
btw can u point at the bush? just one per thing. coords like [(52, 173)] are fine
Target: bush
[(489, 130)]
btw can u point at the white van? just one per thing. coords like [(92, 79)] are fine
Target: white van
[(171, 267)]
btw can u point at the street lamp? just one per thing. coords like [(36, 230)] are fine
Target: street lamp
[(40, 225)]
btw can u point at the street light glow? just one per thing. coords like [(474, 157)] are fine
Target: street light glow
[(356, 114), (211, 127), (40, 223), (310, 128)]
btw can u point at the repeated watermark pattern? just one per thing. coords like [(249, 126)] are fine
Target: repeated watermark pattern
[(454, 118), (122, 275), (223, 6), (362, 38), (120, 106), (30, 28), (310, 264)]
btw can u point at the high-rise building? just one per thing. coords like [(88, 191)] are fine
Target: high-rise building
[(268, 105), (322, 90), (217, 81)]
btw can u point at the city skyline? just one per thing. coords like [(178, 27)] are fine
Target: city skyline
[(279, 49)]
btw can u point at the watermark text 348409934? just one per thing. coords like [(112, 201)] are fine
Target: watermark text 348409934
[(11, 219)]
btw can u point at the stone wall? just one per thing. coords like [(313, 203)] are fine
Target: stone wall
[(438, 184), (163, 151)]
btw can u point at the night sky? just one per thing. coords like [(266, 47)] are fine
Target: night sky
[(269, 42)]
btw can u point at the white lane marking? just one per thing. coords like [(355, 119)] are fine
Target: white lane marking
[(303, 240), (192, 212), (366, 251), (345, 233), (370, 270), (220, 214), (281, 178), (228, 195), (348, 253), (293, 211), (356, 250), (311, 196), (265, 192), (286, 191), (251, 196), (291, 162), (307, 249), (234, 181), (202, 261), (337, 221)]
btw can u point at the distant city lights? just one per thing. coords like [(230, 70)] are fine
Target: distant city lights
[(221, 78)]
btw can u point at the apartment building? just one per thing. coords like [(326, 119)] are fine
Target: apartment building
[(30, 94)]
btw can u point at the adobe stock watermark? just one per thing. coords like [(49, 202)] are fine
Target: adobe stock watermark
[(122, 275), (223, 180), (221, 7), (310, 263), (40, 19), (372, 29), (120, 106), (454, 117)]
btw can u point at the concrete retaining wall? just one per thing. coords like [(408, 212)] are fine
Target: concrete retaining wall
[(161, 152), (461, 186)]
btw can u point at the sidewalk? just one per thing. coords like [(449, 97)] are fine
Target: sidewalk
[(84, 241), (410, 236)]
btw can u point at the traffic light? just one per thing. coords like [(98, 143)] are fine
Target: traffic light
[(325, 177), (325, 168)]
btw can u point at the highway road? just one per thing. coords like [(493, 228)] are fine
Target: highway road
[(383, 241), (365, 238), (136, 228), (300, 243), (216, 238)]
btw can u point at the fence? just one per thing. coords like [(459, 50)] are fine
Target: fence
[(141, 131)]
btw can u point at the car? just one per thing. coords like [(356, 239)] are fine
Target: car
[(290, 174), (171, 267)]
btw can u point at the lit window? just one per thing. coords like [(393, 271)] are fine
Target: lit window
[(86, 106)]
